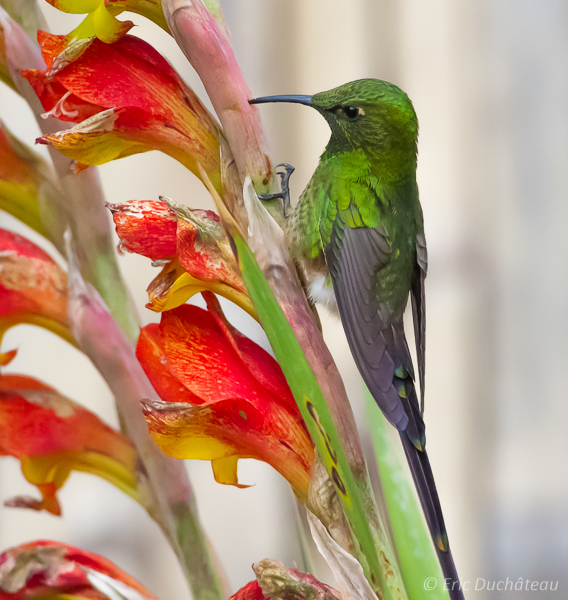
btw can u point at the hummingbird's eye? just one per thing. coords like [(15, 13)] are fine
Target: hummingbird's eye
[(352, 112)]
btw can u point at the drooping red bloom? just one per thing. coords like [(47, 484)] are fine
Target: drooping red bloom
[(225, 397), (274, 580), (45, 569), (126, 99), (51, 436), (33, 288), (190, 245)]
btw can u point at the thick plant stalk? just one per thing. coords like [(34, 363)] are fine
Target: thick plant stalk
[(208, 49), (81, 204), (163, 484)]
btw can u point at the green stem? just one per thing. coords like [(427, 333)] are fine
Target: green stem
[(416, 554)]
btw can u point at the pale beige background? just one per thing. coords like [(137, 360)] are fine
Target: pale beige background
[(489, 80)]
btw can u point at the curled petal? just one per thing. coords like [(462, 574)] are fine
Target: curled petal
[(227, 430), (52, 436), (146, 227), (133, 101), (190, 245), (33, 288), (45, 569)]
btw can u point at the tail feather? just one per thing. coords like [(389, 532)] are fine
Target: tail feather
[(426, 488)]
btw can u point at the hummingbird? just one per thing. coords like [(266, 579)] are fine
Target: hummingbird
[(357, 237)]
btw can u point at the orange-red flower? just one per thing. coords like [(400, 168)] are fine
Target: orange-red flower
[(33, 288), (125, 98), (190, 245), (51, 436), (45, 569), (225, 397)]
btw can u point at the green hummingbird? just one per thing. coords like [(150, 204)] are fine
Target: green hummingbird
[(357, 235)]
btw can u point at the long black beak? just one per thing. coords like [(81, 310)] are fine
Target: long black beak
[(307, 100)]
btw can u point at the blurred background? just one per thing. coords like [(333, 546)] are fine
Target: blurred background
[(489, 81)]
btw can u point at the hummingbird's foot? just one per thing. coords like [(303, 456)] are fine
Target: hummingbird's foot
[(284, 194)]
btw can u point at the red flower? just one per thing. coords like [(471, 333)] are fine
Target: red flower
[(225, 397), (274, 580), (52, 436), (126, 99), (33, 288), (192, 247), (45, 569)]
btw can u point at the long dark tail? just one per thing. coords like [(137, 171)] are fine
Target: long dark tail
[(426, 488)]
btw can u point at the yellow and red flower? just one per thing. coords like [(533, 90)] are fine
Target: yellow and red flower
[(225, 397), (51, 436), (45, 569), (126, 99), (33, 288), (190, 245)]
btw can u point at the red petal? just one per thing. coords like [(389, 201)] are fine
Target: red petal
[(46, 568), (146, 227), (156, 367)]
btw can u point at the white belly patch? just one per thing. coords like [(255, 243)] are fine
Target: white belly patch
[(321, 292)]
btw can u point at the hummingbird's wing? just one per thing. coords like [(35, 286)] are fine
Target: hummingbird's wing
[(355, 256), (419, 309)]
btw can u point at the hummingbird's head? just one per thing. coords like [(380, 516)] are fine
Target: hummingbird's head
[(370, 115)]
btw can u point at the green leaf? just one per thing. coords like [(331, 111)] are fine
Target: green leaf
[(417, 556)]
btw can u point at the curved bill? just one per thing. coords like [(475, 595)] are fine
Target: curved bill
[(307, 100)]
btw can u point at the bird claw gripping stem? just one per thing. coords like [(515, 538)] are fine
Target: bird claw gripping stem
[(284, 194)]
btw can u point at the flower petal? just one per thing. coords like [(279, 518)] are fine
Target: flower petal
[(150, 354), (33, 288), (153, 108), (204, 259), (232, 428), (53, 569), (52, 436), (146, 227), (236, 416)]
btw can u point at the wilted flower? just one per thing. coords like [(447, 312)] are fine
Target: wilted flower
[(51, 436), (274, 580), (225, 397), (33, 288), (45, 569), (126, 99), (190, 245)]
